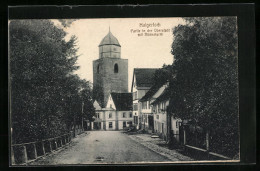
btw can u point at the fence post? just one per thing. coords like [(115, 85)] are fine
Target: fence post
[(50, 146), (70, 137), (43, 149), (55, 142), (184, 137), (61, 142), (12, 155), (35, 151), (207, 142), (24, 157)]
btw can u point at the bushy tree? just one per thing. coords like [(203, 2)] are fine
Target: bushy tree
[(162, 75), (98, 95), (87, 98), (44, 91), (205, 88)]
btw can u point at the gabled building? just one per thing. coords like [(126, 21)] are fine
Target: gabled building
[(98, 119), (117, 114), (165, 124), (147, 120), (141, 83), (147, 117)]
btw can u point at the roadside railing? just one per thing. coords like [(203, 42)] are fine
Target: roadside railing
[(199, 152), (28, 152)]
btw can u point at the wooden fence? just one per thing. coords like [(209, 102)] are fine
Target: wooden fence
[(201, 153), (27, 152)]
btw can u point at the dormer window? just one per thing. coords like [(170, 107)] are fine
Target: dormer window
[(115, 68)]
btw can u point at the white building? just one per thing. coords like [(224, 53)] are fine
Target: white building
[(147, 116), (165, 124), (117, 114), (141, 83)]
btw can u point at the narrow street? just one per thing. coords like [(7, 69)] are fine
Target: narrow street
[(102, 147)]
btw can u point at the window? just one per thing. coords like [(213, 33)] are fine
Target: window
[(177, 124), (135, 119), (157, 116), (110, 115), (115, 68), (97, 115), (162, 127), (135, 107), (124, 115), (162, 106), (130, 115), (124, 124), (144, 105), (154, 109), (110, 125), (98, 69), (110, 105)]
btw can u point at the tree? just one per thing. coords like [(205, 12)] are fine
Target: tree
[(44, 91), (66, 22), (86, 96), (162, 75), (205, 88), (98, 94)]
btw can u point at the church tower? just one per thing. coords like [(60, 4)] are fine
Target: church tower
[(110, 71)]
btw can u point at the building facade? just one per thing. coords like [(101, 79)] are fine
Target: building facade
[(147, 117), (117, 114), (141, 83), (165, 124)]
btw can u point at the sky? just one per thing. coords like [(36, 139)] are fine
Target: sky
[(141, 51)]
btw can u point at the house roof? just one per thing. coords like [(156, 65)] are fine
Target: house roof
[(164, 96), (144, 76), (150, 93), (123, 101)]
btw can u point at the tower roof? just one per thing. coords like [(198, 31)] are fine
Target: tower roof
[(109, 39)]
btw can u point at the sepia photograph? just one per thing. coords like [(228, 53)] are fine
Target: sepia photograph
[(89, 91)]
